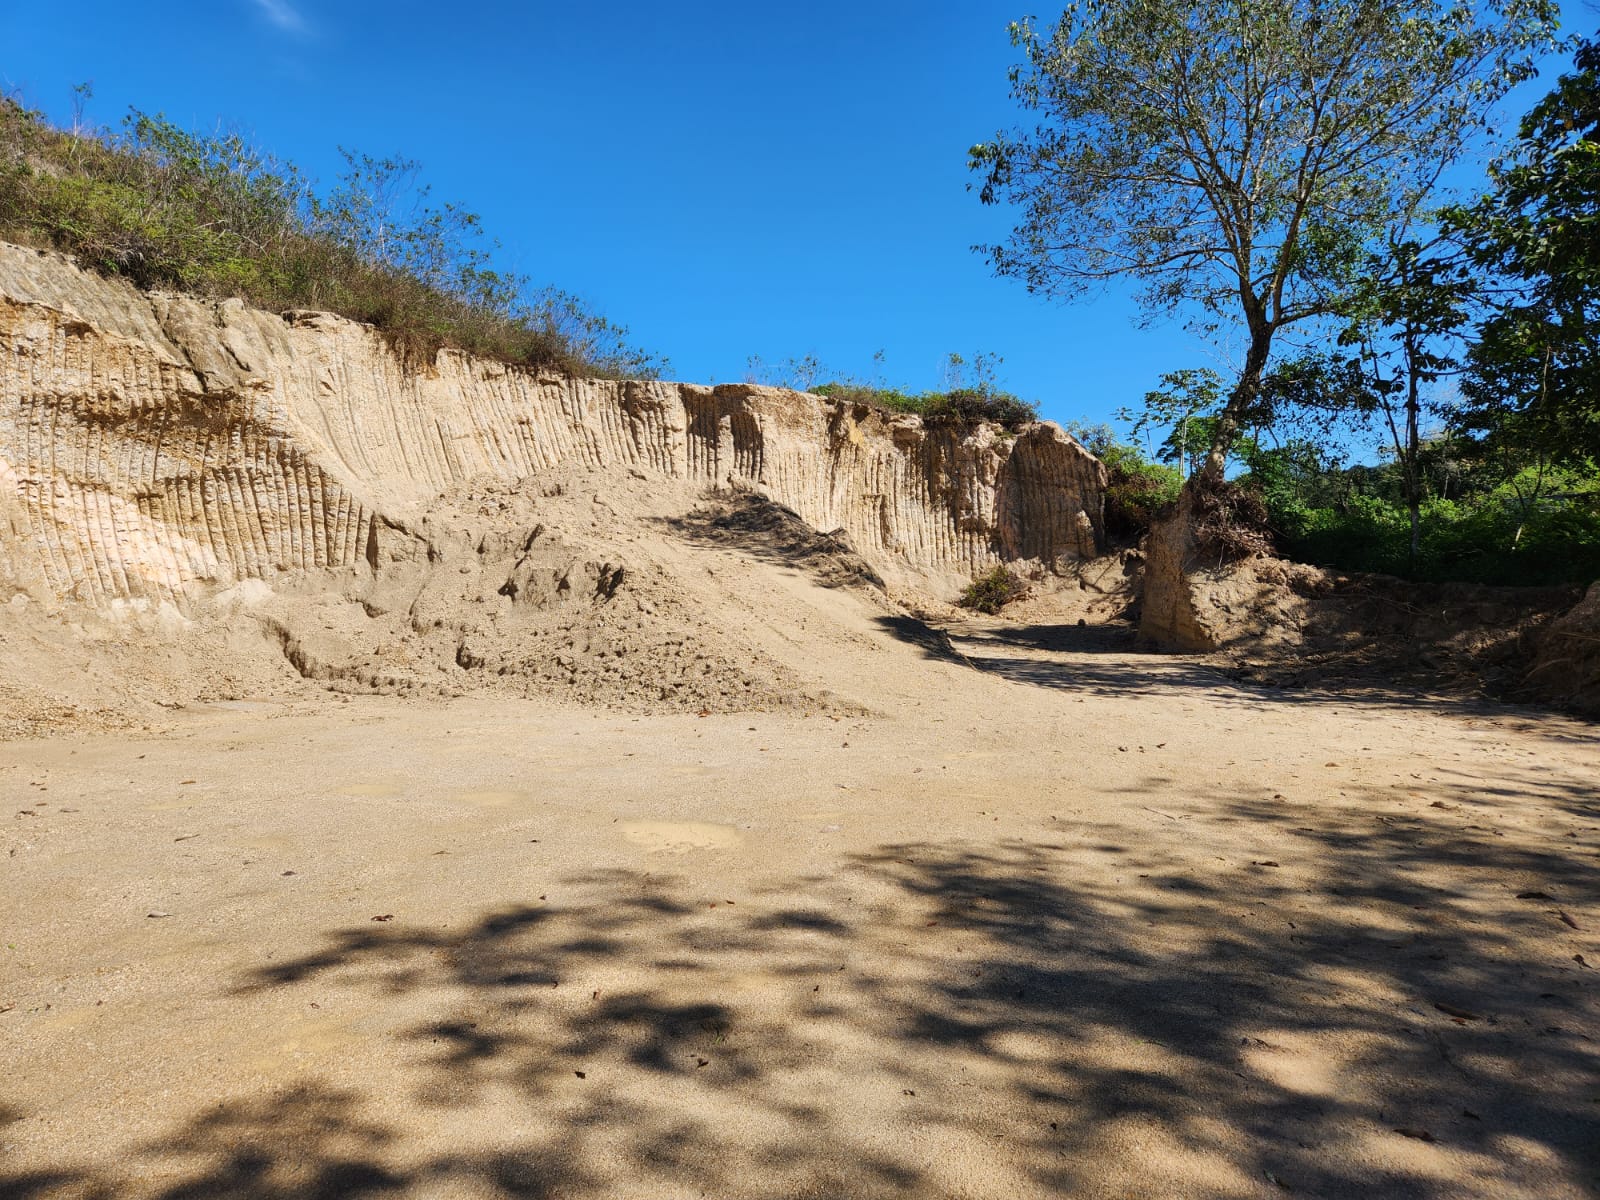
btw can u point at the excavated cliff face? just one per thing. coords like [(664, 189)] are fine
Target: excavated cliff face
[(205, 501), (1173, 616), (157, 447)]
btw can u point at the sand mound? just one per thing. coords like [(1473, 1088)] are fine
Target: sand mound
[(571, 586), (1294, 625), (490, 592), (1567, 664)]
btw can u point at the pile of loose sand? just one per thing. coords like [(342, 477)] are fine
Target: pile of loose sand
[(646, 596)]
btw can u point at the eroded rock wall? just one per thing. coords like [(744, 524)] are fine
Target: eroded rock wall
[(155, 446)]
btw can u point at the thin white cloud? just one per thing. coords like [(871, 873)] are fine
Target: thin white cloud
[(282, 14)]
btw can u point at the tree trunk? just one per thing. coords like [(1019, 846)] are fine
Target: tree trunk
[(1169, 617), (1240, 401), (1413, 453)]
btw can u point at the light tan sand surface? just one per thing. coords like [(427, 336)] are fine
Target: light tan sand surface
[(1056, 920)]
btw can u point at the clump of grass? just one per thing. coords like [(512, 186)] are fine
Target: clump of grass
[(960, 406), (993, 590), (214, 216)]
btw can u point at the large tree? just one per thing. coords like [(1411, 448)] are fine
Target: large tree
[(1405, 314), (1534, 374), (1219, 152)]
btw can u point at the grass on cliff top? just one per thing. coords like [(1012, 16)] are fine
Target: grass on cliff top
[(969, 395), (960, 406), (214, 216)]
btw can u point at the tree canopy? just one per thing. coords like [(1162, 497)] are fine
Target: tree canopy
[(1534, 372), (1224, 153)]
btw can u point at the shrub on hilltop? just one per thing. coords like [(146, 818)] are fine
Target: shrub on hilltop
[(1138, 491), (960, 406), (212, 215)]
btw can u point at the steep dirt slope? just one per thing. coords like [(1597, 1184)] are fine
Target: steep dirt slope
[(632, 594), (1291, 624)]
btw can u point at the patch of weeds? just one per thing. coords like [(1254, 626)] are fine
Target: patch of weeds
[(962, 406), (993, 590)]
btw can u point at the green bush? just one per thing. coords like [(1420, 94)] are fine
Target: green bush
[(968, 406), (1490, 541), (1138, 491), (1488, 515), (993, 590)]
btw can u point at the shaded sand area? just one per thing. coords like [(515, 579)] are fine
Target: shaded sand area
[(1057, 920)]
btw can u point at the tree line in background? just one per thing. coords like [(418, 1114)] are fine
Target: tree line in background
[(1273, 172), (213, 215)]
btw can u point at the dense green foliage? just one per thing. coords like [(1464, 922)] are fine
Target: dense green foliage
[(1174, 147), (1534, 370), (1221, 154), (1487, 516), (212, 215), (1484, 519), (1138, 491), (1509, 490)]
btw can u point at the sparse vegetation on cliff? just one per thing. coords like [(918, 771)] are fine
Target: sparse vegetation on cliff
[(213, 215), (969, 394), (960, 406)]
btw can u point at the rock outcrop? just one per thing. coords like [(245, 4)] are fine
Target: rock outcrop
[(158, 448), (1171, 613)]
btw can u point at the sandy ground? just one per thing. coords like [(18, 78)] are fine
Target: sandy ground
[(1077, 922)]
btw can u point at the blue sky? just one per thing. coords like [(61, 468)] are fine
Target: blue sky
[(726, 179)]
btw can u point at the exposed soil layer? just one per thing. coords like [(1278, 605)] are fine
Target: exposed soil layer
[(633, 595), (1567, 657)]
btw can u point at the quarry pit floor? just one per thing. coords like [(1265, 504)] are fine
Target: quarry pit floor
[(1074, 923)]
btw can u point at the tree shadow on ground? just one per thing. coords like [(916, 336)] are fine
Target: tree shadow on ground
[(1373, 1003), (1100, 638), (1091, 659), (1106, 660)]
